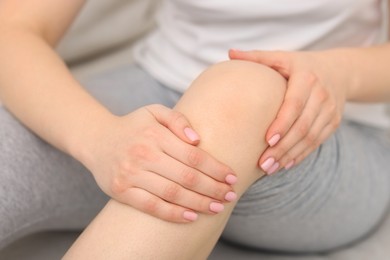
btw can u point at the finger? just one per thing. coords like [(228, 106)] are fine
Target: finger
[(277, 60), (310, 142), (176, 194), (196, 158), (326, 116), (297, 95), (174, 121), (157, 207), (192, 179), (300, 130)]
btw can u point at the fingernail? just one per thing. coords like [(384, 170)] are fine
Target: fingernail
[(231, 179), (268, 164), (273, 169), (231, 196), (216, 207), (274, 140), (189, 215), (235, 49), (191, 134), (289, 165)]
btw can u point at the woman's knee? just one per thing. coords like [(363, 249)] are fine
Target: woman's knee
[(231, 105), (238, 92), (236, 87)]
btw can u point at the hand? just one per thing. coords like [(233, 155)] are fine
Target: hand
[(313, 104), (149, 160)]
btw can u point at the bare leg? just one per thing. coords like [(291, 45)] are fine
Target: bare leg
[(230, 105)]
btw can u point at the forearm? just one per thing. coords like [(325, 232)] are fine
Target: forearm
[(367, 70), (38, 89)]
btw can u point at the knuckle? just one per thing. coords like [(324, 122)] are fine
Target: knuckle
[(310, 139), (322, 95), (286, 158), (203, 204), (140, 152), (219, 191), (281, 63), (177, 118), (310, 77), (332, 106), (297, 105), (172, 215), (125, 168), (190, 178), (303, 128), (117, 186), (220, 172), (280, 151), (171, 192), (336, 121), (315, 145), (150, 206), (194, 157)]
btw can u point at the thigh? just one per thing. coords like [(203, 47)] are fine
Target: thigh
[(41, 187), (336, 196), (127, 88)]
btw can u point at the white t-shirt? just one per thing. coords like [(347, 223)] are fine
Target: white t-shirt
[(191, 35)]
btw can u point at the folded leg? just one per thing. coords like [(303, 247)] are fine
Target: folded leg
[(230, 105)]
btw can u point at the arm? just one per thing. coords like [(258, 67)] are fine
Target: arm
[(369, 74), (38, 89), (28, 35)]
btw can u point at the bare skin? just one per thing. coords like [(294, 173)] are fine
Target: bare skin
[(230, 105), (31, 29), (47, 100)]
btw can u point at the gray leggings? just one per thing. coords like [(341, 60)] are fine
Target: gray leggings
[(336, 196)]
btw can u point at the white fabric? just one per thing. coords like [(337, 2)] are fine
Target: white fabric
[(191, 35)]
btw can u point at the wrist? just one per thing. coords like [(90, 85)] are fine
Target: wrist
[(342, 61), (88, 137)]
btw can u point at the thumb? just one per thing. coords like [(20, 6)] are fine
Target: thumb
[(278, 60), (174, 121)]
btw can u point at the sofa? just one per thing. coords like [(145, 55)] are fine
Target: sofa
[(102, 37)]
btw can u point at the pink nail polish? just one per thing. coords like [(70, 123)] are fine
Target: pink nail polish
[(189, 215), (216, 207), (289, 165), (231, 196), (274, 140), (268, 164), (231, 179), (273, 169), (191, 134)]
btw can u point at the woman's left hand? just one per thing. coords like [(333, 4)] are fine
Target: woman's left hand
[(313, 104)]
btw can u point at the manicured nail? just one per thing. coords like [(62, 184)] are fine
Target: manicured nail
[(189, 215), (268, 164), (231, 179), (231, 196), (274, 140), (216, 207), (273, 169), (289, 165), (191, 134)]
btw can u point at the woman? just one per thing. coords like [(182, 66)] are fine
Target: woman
[(182, 165)]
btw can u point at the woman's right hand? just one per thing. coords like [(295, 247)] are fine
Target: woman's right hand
[(149, 160)]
